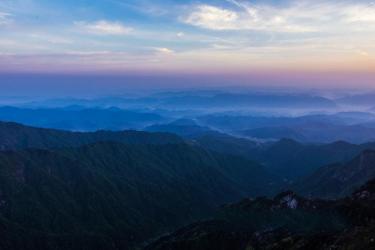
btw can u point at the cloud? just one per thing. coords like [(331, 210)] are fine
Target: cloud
[(147, 7), (51, 39), (363, 53), (4, 18), (361, 13), (180, 34), (296, 17), (164, 50), (294, 33), (212, 17), (248, 18), (104, 27)]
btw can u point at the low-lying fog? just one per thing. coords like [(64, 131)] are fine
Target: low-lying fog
[(309, 117)]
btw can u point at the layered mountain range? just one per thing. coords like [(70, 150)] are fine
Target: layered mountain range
[(124, 189)]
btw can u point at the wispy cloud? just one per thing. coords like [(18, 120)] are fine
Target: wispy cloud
[(215, 18), (361, 13), (51, 39), (298, 16), (151, 8), (247, 18), (180, 34), (191, 34), (103, 27), (5, 18)]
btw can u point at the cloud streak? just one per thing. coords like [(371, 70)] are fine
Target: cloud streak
[(4, 18), (103, 27), (164, 50)]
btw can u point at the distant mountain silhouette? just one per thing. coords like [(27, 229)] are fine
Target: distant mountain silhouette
[(315, 133), (363, 100), (182, 127), (274, 133), (248, 99), (78, 118)]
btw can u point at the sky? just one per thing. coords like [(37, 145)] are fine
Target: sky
[(300, 40)]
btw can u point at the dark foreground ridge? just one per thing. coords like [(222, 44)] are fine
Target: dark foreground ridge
[(285, 222)]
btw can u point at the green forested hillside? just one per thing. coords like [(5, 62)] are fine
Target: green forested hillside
[(114, 193), (338, 180), (287, 158)]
